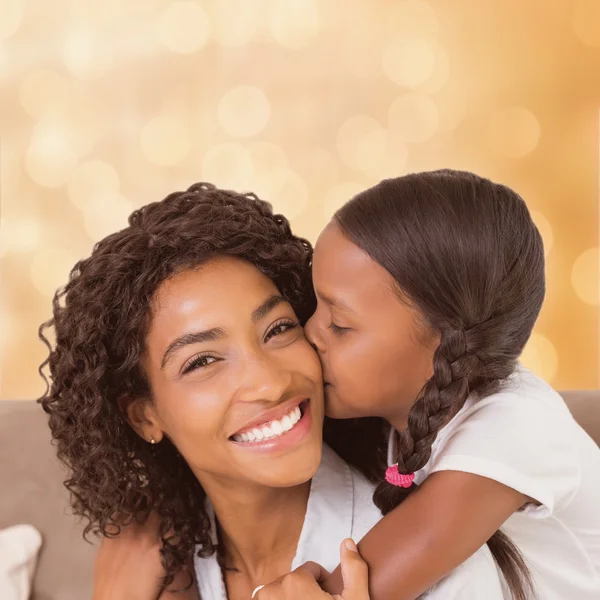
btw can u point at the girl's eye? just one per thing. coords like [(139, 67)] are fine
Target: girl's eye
[(337, 330), (280, 328), (198, 362)]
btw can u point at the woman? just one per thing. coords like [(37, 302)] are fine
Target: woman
[(182, 384)]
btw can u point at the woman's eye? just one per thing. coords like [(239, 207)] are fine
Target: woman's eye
[(337, 330), (198, 363), (281, 328)]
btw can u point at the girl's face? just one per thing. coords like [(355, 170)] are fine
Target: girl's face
[(236, 386), (375, 349)]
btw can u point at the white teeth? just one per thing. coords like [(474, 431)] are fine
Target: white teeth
[(274, 429)]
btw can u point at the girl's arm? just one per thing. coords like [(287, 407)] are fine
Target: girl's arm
[(443, 522)]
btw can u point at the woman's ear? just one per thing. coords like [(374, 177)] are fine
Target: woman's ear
[(140, 413)]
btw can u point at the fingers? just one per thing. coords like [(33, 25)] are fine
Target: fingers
[(300, 584), (355, 572), (315, 570)]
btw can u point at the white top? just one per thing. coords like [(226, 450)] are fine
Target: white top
[(340, 506), (525, 437)]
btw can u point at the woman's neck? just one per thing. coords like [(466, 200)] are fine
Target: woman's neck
[(260, 528)]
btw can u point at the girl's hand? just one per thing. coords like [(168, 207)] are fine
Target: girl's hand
[(303, 583)]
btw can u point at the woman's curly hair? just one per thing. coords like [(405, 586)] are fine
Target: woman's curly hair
[(100, 321)]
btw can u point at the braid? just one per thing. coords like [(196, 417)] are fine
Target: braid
[(456, 372)]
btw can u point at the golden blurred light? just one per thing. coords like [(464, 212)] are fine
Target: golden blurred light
[(353, 139), (91, 182), (337, 196), (412, 16), (545, 229), (322, 168), (452, 106), (414, 117), (586, 21), (184, 27), (271, 169), (585, 276), (42, 92), (514, 131), (165, 139), (440, 75), (229, 165), (409, 60), (11, 15), (292, 199), (294, 23), (108, 215), (19, 235), (50, 157), (235, 22), (86, 55), (244, 111), (50, 269), (540, 356)]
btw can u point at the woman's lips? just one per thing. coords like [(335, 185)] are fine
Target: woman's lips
[(285, 439)]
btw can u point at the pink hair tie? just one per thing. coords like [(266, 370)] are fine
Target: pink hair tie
[(399, 479)]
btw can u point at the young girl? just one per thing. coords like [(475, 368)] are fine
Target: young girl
[(428, 288)]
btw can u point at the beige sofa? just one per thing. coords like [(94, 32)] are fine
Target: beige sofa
[(31, 491)]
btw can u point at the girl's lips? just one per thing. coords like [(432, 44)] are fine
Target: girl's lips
[(286, 440)]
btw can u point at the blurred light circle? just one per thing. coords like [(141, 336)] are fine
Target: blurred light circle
[(294, 23), (183, 27), (19, 235), (271, 169), (42, 92), (540, 356), (292, 200), (107, 215), (244, 111), (50, 268), (354, 131), (514, 132), (90, 182), (409, 60), (50, 157), (440, 75), (452, 106), (585, 276), (414, 117), (87, 56), (11, 15), (545, 230), (235, 22), (229, 165), (165, 139), (586, 21), (412, 16), (337, 196)]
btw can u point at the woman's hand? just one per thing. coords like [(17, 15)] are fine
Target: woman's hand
[(303, 583), (129, 567)]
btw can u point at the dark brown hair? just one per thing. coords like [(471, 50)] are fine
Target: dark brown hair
[(465, 252), (100, 321)]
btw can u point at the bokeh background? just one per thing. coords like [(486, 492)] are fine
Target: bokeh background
[(108, 105)]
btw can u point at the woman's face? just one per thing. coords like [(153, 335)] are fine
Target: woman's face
[(236, 386), (375, 351)]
